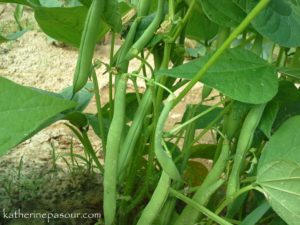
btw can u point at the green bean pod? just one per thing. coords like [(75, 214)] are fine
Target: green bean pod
[(189, 215), (245, 139), (88, 44), (163, 157), (143, 7), (121, 61), (112, 152), (134, 132), (156, 202), (149, 32)]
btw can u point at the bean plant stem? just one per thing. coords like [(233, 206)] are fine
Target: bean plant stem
[(199, 207), (181, 126), (88, 146), (233, 197), (183, 22), (110, 85), (99, 110)]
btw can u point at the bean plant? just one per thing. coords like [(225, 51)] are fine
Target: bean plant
[(245, 67)]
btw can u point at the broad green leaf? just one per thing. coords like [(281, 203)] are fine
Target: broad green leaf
[(112, 15), (278, 171), (223, 12), (284, 144), (131, 106), (93, 121), (82, 97), (269, 117), (62, 25), (280, 181), (288, 99), (23, 110), (279, 21), (238, 74), (200, 27), (205, 151), (241, 3), (76, 118), (12, 37)]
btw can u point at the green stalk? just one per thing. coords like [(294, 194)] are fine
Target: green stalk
[(233, 197), (163, 80), (181, 126), (183, 22), (210, 125), (110, 82), (171, 9), (254, 12), (88, 146), (199, 207), (99, 110)]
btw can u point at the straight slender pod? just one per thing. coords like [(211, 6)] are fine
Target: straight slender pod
[(88, 44), (244, 143), (200, 208), (112, 153)]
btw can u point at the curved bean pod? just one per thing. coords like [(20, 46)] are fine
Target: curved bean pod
[(163, 157), (157, 201), (189, 216)]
